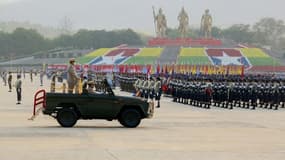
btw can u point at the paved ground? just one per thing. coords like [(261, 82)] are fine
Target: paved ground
[(177, 132)]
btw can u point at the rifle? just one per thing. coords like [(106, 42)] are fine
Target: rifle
[(154, 18)]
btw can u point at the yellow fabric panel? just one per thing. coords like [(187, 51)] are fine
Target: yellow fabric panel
[(98, 52), (192, 52), (254, 52), (150, 52)]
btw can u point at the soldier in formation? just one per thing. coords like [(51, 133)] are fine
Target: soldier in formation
[(193, 93), (127, 83), (157, 91), (245, 94), (146, 88)]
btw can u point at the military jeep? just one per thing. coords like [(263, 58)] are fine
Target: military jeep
[(68, 108)]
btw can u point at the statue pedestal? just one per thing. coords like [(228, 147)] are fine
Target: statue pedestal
[(183, 42)]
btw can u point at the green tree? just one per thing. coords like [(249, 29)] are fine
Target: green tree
[(174, 33), (268, 31), (22, 42), (240, 33), (217, 32)]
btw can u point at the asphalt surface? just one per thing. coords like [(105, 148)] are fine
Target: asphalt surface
[(177, 131)]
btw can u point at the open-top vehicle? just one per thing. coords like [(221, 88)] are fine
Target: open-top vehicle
[(68, 108)]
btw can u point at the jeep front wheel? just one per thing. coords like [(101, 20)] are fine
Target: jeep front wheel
[(130, 118), (67, 117)]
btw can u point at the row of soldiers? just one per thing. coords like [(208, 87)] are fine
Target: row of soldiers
[(228, 94), (4, 74), (146, 88), (126, 83), (229, 78)]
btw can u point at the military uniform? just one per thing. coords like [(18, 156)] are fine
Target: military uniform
[(158, 91), (208, 96), (18, 85), (72, 78), (282, 93), (151, 89), (10, 82)]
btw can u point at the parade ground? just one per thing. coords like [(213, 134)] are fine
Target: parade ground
[(177, 132)]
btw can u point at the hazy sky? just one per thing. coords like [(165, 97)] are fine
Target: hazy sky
[(117, 14)]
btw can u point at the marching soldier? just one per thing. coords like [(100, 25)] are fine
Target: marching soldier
[(31, 75), (151, 89), (208, 94), (230, 96), (10, 82), (4, 76), (261, 93), (282, 93), (41, 77), (174, 90), (254, 95), (18, 85), (137, 88), (184, 93), (275, 97), (158, 91), (146, 89)]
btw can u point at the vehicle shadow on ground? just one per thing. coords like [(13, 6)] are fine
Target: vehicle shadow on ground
[(90, 127)]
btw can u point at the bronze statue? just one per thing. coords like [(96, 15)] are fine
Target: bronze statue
[(160, 23), (183, 19), (206, 24)]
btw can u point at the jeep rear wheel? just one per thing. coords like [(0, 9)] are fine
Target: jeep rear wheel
[(67, 117), (130, 118)]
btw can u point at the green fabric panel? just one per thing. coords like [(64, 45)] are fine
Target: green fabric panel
[(141, 60), (264, 61), (194, 60), (84, 60)]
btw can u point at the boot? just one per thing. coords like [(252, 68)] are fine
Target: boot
[(271, 106), (246, 105), (276, 107), (158, 104), (231, 106)]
